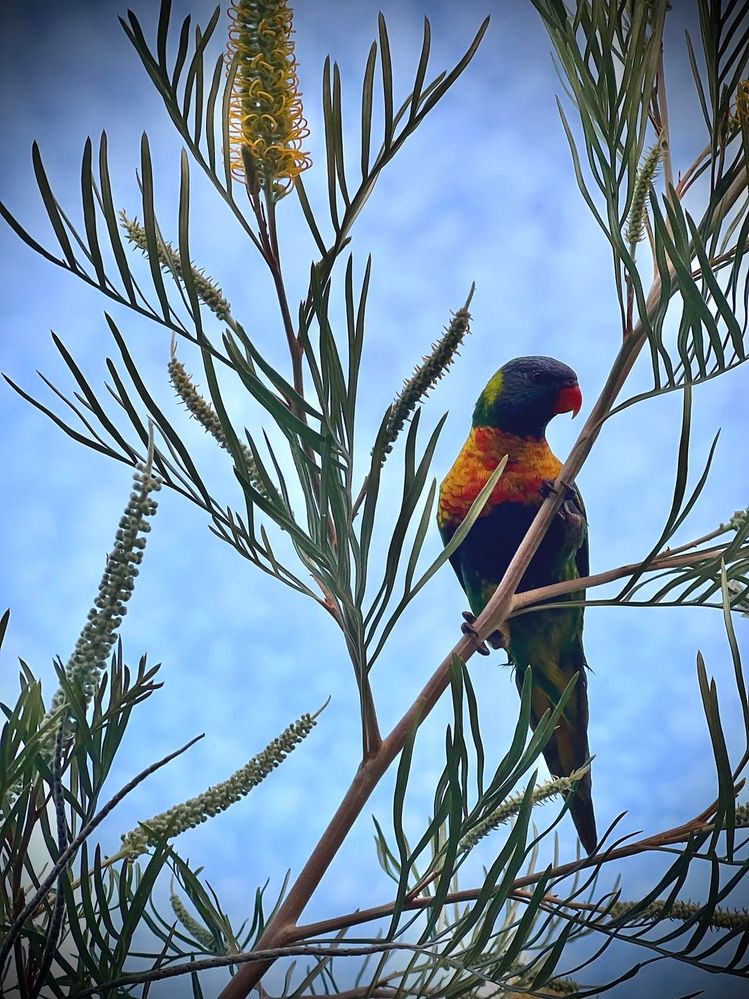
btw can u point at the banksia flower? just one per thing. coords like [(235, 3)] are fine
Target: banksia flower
[(511, 806), (428, 373), (638, 212), (265, 107), (207, 290), (219, 797), (206, 416), (99, 635)]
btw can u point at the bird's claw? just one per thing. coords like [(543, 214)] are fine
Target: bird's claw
[(495, 639), (480, 646), (548, 487)]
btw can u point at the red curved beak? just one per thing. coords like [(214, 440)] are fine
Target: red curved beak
[(569, 400)]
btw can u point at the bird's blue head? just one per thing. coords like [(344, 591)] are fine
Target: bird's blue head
[(523, 396)]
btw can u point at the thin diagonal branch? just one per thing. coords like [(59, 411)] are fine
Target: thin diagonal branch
[(657, 841)]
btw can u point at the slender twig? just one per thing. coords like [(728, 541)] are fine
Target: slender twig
[(693, 544), (657, 841), (363, 992), (720, 260), (662, 103), (293, 340), (529, 598), (693, 171), (322, 949)]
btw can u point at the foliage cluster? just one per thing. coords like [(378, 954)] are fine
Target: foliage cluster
[(78, 923)]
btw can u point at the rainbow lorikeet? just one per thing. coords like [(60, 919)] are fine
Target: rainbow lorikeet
[(510, 418)]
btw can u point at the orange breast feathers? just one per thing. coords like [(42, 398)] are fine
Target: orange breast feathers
[(530, 464)]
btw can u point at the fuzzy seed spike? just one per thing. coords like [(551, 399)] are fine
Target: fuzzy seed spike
[(428, 373), (219, 797), (207, 290), (638, 211)]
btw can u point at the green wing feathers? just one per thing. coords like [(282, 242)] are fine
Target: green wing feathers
[(532, 644), (551, 643)]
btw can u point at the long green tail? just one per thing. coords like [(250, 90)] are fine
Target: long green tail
[(532, 643)]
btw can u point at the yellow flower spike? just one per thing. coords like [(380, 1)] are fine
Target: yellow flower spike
[(265, 108)]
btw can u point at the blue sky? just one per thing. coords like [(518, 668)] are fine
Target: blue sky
[(483, 192)]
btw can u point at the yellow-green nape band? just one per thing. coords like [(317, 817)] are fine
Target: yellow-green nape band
[(493, 388)]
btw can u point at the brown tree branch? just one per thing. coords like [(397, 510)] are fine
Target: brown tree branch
[(530, 598), (655, 842), (332, 948), (295, 947)]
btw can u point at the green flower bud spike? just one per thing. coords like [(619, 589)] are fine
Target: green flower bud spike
[(509, 808), (638, 211), (737, 521), (433, 366), (94, 646), (219, 797), (196, 930), (207, 290), (206, 416), (722, 919)]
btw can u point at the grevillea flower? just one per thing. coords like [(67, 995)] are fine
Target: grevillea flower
[(265, 108)]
